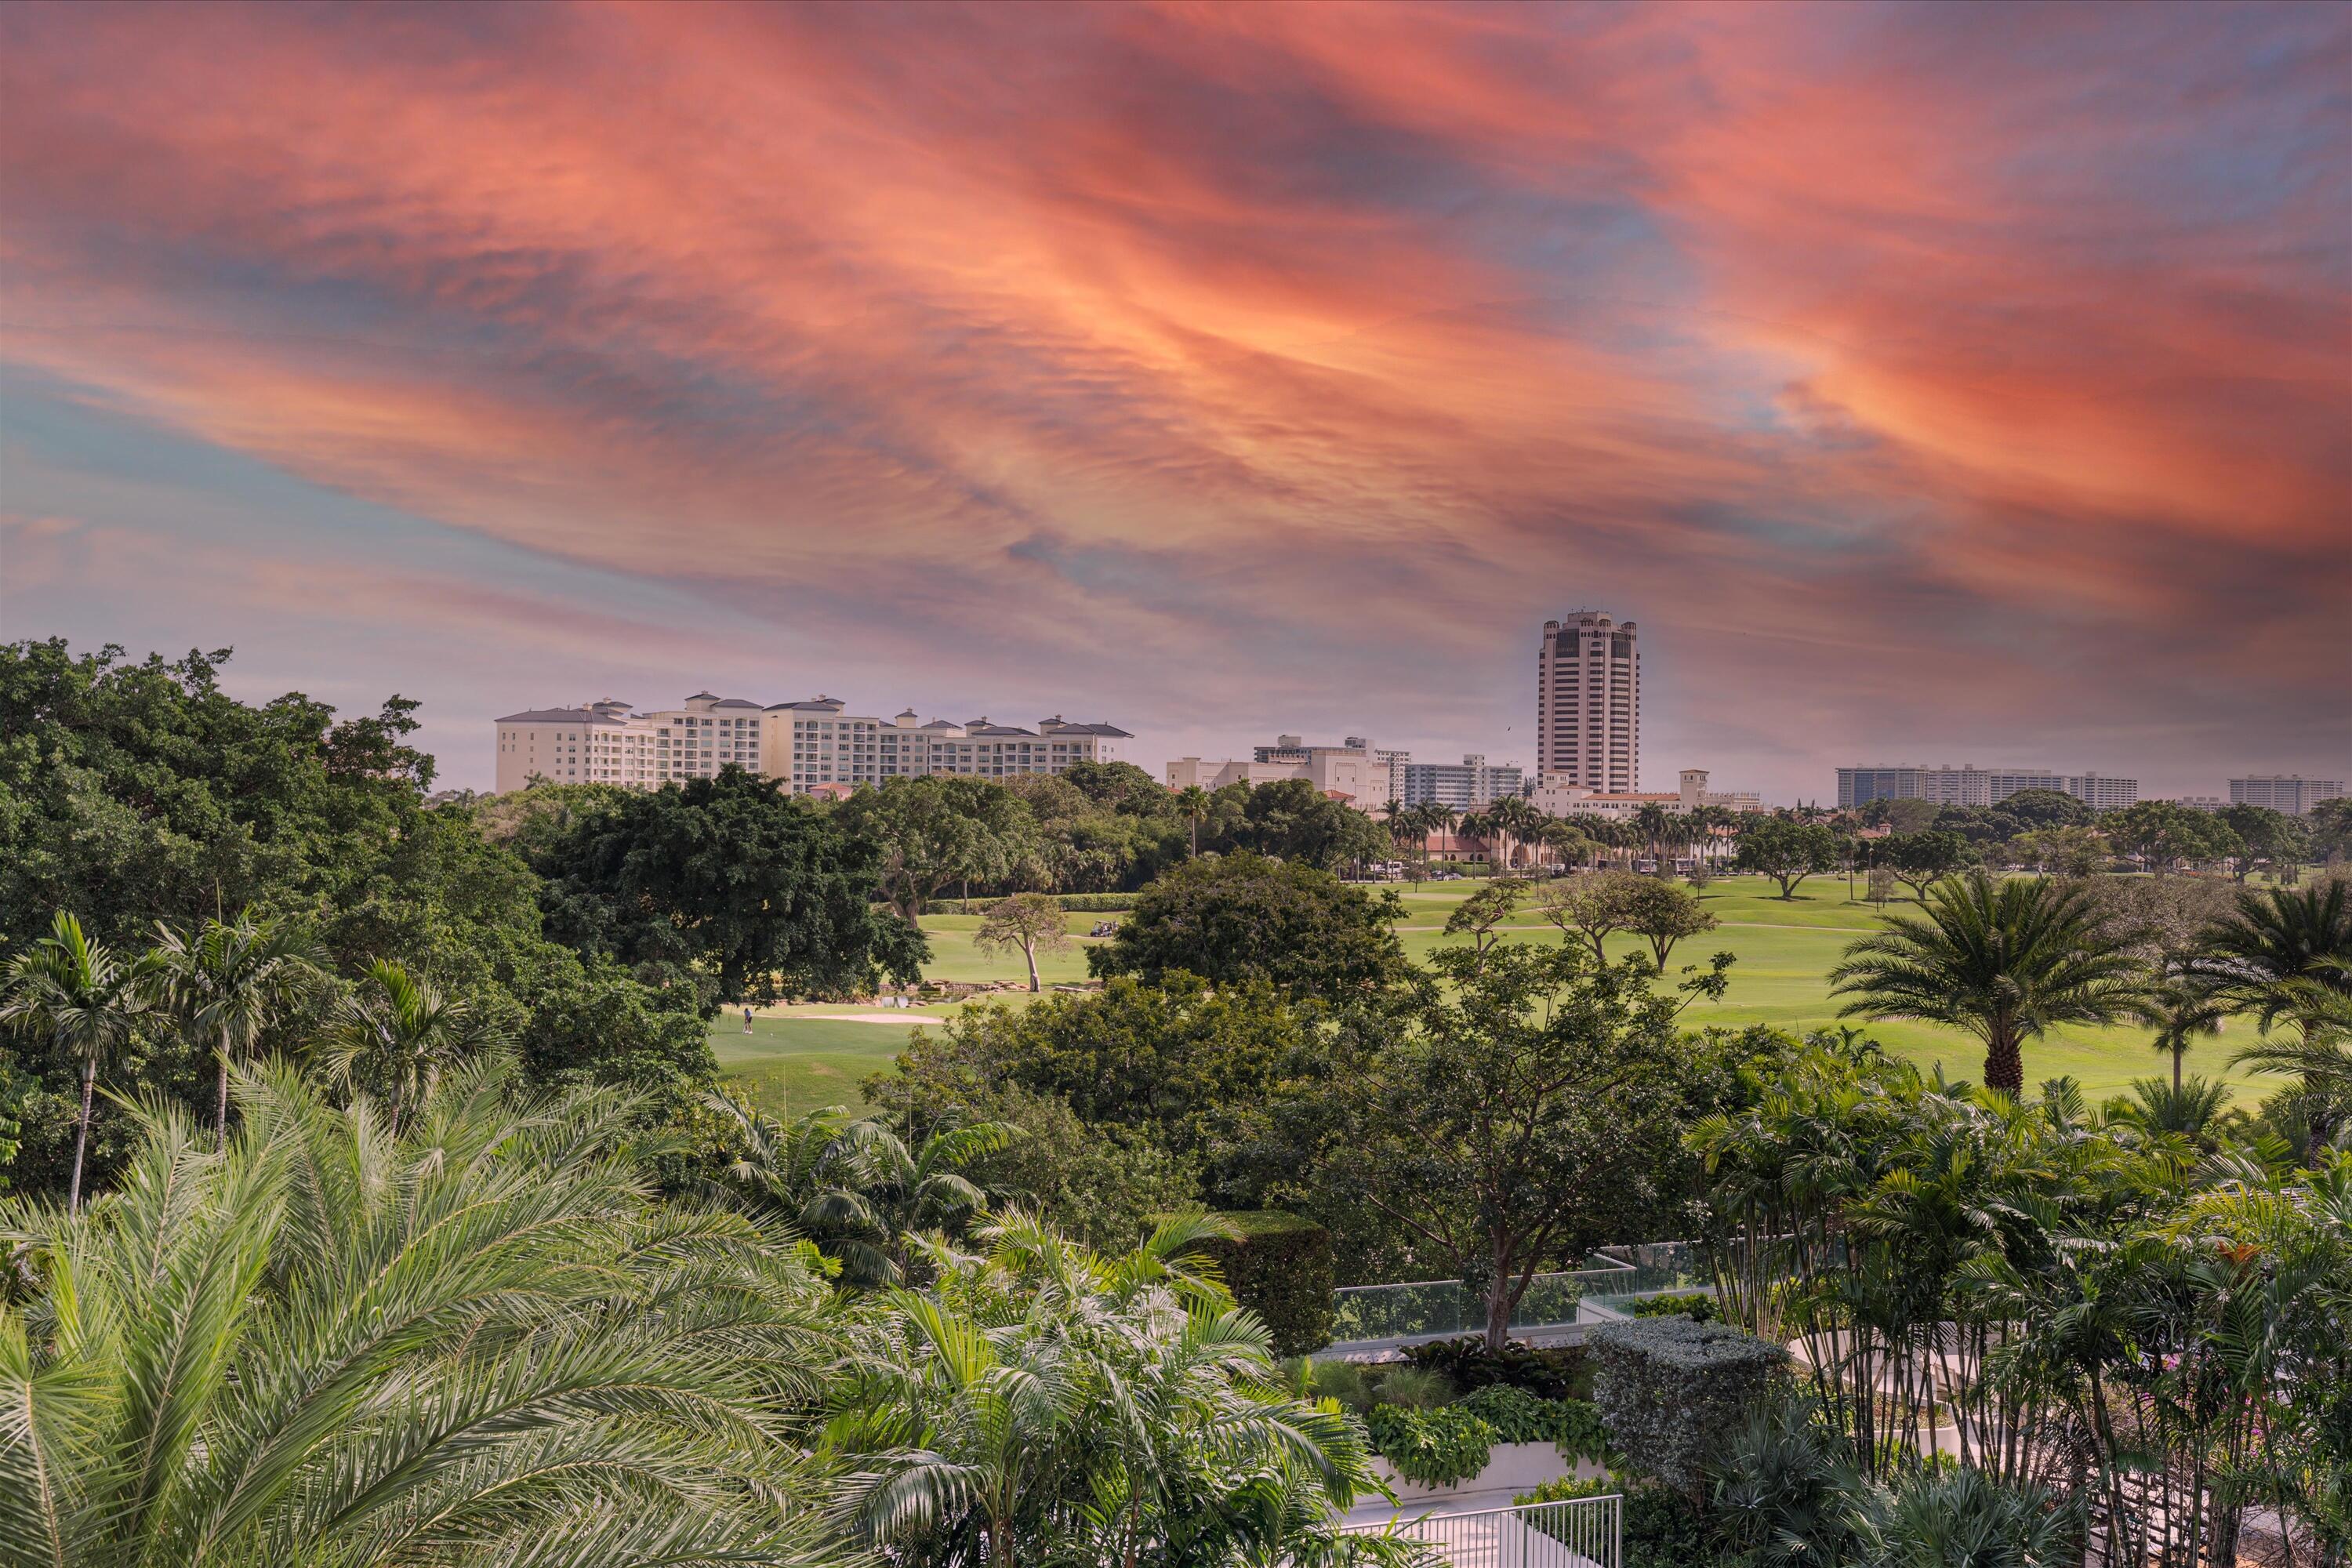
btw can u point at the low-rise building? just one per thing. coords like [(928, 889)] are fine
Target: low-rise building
[(1384, 779), (1559, 795), (803, 745), (2290, 793)]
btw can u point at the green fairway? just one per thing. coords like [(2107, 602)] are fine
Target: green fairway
[(803, 1057)]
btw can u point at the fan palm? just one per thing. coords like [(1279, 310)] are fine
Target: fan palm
[(2004, 960), (88, 999), (228, 981), (2187, 1109), (476, 1343), (401, 1032)]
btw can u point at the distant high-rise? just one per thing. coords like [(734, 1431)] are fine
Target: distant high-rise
[(2289, 792), (1588, 703), (1973, 785)]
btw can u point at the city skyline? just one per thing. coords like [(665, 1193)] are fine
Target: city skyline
[(1926, 383)]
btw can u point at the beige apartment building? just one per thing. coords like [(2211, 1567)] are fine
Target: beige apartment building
[(1355, 775), (1589, 702), (1559, 797), (813, 746)]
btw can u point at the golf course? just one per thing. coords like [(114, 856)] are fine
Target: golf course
[(797, 1058)]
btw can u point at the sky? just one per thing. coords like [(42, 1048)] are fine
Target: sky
[(1929, 383)]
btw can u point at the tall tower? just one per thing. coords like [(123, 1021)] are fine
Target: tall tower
[(1588, 703)]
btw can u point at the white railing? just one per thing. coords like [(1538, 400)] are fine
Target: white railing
[(1581, 1532)]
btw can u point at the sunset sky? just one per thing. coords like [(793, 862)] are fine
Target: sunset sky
[(1931, 383)]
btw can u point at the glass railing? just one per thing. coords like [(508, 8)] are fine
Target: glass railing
[(1599, 1292)]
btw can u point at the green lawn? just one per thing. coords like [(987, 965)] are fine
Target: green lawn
[(803, 1057)]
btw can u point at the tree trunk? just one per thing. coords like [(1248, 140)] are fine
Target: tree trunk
[(2004, 1063), (220, 1122), (1029, 951), (1498, 1314), (82, 1135)]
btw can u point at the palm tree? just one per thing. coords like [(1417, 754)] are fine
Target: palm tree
[(2252, 957), (2004, 960), (1654, 821), (1512, 819), (2186, 1108), (400, 1033), (2320, 1052), (1045, 1403), (2182, 1008), (228, 982), (853, 1185), (479, 1344), (87, 1000), (1192, 804)]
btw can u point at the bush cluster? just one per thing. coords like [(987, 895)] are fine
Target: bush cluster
[(1280, 1268), (1573, 1426), (1554, 1373), (1440, 1448), (1693, 1305)]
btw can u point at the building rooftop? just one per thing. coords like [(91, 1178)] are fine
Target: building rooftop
[(557, 716)]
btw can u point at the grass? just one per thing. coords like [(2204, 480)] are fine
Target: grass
[(800, 1058)]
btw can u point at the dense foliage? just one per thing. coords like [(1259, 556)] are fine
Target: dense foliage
[(1241, 916)]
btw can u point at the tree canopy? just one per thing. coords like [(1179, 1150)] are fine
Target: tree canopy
[(1236, 918)]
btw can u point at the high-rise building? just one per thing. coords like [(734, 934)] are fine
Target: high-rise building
[(2289, 792), (1471, 785), (809, 745), (1588, 703), (1971, 785)]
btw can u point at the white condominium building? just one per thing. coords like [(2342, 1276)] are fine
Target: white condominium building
[(1589, 702), (1971, 785), (1474, 783), (805, 744), (2289, 792)]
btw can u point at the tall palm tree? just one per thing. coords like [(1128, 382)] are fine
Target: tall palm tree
[(2005, 961), (1514, 821), (228, 981), (88, 999), (1192, 804), (2182, 1008), (400, 1033), (1655, 823), (479, 1344), (2320, 1051)]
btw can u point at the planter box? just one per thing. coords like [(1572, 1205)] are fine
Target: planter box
[(1510, 1468)]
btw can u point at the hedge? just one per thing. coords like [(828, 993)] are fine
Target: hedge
[(1279, 1268), (1669, 1388)]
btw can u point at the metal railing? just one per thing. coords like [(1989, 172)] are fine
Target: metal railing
[(1580, 1532)]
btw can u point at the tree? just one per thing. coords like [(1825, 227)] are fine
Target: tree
[(1920, 858), (1571, 843), (2005, 961), (2037, 809), (397, 1035), (228, 981), (1663, 914), (1786, 851), (479, 1344), (1290, 819), (2266, 835), (1507, 1117), (741, 891), (1478, 915), (1903, 815), (87, 1000), (1594, 906), (1193, 804), (2327, 830), (1027, 922), (2160, 832), (2182, 1008), (1234, 918), (935, 831), (1656, 825), (2062, 851), (1512, 821)]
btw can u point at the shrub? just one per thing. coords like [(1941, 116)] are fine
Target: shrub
[(1573, 1426), (1694, 1305), (1560, 1372), (1437, 1448), (1415, 1388), (1341, 1380), (1565, 1489), (1279, 1268), (1662, 1530), (1669, 1388)]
